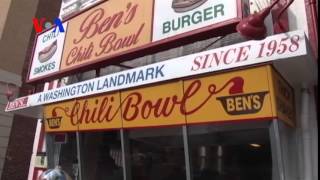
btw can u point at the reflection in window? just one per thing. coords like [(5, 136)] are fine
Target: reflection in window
[(222, 154), (63, 150), (102, 156), (157, 154)]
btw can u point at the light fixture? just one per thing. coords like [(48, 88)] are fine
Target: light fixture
[(255, 145), (253, 27)]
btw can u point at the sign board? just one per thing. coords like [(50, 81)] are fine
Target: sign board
[(291, 44), (41, 160), (108, 29), (114, 29), (47, 53), (72, 7), (176, 17), (233, 96), (284, 98), (16, 104)]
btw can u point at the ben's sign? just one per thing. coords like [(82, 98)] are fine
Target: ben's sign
[(239, 95), (244, 103), (117, 28)]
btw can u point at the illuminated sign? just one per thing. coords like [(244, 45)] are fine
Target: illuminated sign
[(238, 95)]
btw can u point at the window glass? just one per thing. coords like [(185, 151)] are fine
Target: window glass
[(62, 151), (101, 155), (157, 154), (220, 153)]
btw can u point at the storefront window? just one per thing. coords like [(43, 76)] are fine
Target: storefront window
[(101, 156), (237, 151), (157, 154), (219, 153), (62, 151)]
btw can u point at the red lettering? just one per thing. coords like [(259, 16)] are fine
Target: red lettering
[(243, 53), (79, 54), (97, 23), (111, 42), (228, 57), (132, 101), (90, 25), (197, 64), (134, 105), (216, 59), (131, 13)]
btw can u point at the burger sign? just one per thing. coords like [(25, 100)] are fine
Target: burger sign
[(48, 52), (181, 16)]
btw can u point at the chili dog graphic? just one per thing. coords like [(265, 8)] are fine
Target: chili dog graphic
[(48, 52)]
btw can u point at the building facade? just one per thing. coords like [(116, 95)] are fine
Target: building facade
[(175, 90)]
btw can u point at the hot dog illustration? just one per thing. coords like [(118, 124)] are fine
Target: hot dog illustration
[(48, 52), (180, 6)]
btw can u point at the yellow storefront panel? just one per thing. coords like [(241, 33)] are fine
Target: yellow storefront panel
[(94, 113), (108, 29), (153, 106), (58, 117), (102, 112), (283, 98), (238, 95), (252, 94)]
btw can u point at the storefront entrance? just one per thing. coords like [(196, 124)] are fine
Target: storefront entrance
[(233, 150)]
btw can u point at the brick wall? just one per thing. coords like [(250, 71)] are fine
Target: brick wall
[(19, 150)]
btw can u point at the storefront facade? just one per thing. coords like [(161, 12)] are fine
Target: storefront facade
[(191, 99), (224, 126)]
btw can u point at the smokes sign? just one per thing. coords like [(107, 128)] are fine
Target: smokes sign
[(48, 52)]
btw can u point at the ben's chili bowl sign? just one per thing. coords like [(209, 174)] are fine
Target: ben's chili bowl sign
[(172, 17), (202, 99), (110, 28), (47, 54), (278, 47)]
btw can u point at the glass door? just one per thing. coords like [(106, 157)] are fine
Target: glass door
[(230, 151)]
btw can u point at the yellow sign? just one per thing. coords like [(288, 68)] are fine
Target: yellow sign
[(239, 95), (107, 29), (153, 106), (96, 113), (283, 98), (234, 96)]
